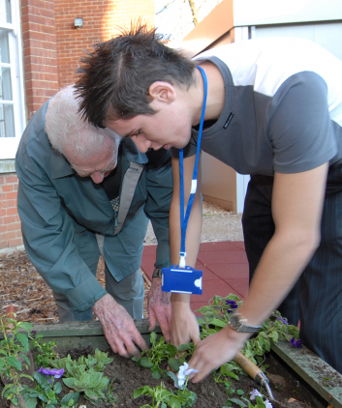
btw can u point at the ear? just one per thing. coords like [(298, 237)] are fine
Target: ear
[(162, 91)]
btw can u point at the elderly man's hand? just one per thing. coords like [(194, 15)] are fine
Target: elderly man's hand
[(119, 328), (159, 308)]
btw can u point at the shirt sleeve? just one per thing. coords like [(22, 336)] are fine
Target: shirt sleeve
[(160, 187), (48, 233), (300, 130)]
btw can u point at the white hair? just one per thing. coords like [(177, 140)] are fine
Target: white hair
[(68, 131)]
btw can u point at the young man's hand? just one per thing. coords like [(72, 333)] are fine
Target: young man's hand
[(119, 328), (184, 326), (159, 308), (216, 350)]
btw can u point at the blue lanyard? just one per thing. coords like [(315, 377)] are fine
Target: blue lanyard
[(184, 220)]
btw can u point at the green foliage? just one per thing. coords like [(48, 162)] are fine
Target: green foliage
[(85, 374), (13, 356), (217, 316), (157, 353), (44, 351), (162, 397), (77, 367), (92, 383), (46, 390)]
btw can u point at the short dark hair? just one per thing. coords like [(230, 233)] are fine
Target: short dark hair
[(115, 78)]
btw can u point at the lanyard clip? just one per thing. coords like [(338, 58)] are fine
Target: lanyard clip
[(182, 256)]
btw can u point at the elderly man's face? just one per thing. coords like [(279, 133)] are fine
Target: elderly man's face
[(98, 166)]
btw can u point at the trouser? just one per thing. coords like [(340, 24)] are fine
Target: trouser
[(129, 292), (319, 292)]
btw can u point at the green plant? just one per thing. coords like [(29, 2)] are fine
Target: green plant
[(46, 390), (14, 349), (157, 353), (217, 315), (85, 375), (44, 351), (162, 397)]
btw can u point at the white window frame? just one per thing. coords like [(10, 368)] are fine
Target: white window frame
[(9, 145)]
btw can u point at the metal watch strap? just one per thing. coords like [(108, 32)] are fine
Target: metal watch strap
[(237, 323), (157, 273)]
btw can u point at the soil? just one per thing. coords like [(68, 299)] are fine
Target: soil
[(287, 389)]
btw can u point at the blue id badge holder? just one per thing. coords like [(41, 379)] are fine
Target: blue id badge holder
[(181, 278)]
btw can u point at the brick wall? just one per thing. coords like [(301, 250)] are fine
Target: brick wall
[(10, 234), (101, 19), (40, 52), (52, 48)]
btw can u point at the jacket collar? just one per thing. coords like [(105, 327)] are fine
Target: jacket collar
[(60, 167)]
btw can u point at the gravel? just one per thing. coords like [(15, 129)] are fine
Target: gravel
[(217, 225)]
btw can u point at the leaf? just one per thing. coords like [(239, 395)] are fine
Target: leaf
[(57, 388), (30, 402), (72, 396), (156, 375), (173, 376), (23, 340), (13, 362), (174, 364), (146, 362), (183, 347), (25, 325), (238, 402), (218, 323), (146, 390), (153, 337), (72, 383)]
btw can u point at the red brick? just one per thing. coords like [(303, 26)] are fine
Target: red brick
[(7, 187), (12, 195), (15, 242), (12, 211), (9, 219), (13, 227), (8, 204), (3, 244)]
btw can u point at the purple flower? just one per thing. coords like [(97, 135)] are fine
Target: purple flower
[(296, 343), (254, 393), (282, 320), (53, 371), (232, 304)]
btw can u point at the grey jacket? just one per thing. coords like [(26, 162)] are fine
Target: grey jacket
[(61, 213)]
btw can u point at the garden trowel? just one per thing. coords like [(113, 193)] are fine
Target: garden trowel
[(255, 372)]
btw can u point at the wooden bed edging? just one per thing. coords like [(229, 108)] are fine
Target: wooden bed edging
[(313, 370)]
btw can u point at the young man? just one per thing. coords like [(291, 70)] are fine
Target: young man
[(82, 193), (273, 110)]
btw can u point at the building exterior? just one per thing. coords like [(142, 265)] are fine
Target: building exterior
[(40, 46), (240, 20)]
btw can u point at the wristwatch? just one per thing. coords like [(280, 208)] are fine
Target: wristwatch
[(157, 273), (238, 323)]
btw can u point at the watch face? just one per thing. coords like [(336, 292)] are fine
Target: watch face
[(235, 322)]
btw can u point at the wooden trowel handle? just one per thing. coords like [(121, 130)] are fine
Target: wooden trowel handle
[(246, 364)]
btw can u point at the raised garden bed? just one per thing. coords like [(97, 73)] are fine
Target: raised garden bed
[(293, 373)]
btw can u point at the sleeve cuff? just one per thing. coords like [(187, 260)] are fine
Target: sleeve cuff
[(85, 295)]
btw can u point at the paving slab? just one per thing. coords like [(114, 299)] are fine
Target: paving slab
[(224, 265)]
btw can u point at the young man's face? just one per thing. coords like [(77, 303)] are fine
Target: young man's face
[(169, 127)]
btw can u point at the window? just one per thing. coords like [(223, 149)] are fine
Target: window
[(11, 79)]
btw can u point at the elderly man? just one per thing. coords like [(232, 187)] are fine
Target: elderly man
[(81, 194)]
